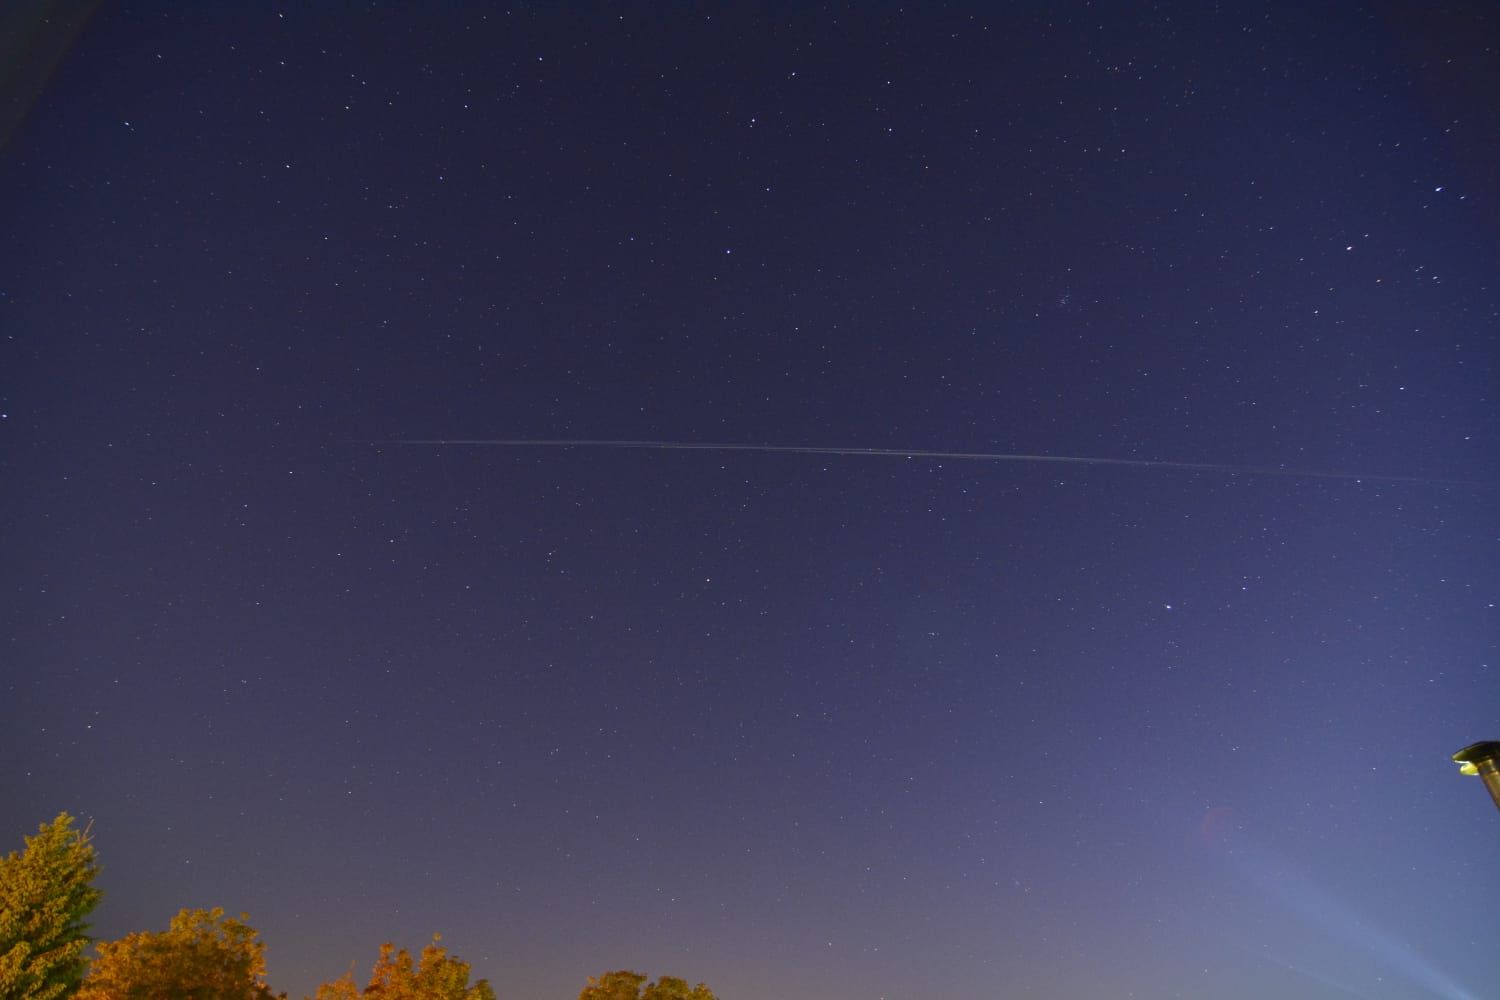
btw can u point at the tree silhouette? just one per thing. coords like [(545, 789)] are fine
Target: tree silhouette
[(435, 976), (627, 985), (46, 891), (203, 955)]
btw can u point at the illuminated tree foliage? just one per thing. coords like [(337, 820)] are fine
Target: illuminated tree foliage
[(435, 976), (202, 955), (46, 891), (625, 985)]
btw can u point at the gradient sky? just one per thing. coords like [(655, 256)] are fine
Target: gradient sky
[(806, 727)]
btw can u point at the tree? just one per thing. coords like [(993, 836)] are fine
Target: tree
[(46, 891), (626, 985), (672, 988), (435, 976), (202, 955)]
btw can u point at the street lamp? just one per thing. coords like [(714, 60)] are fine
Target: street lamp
[(1482, 759)]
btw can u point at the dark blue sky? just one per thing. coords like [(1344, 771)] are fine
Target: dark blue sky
[(830, 726)]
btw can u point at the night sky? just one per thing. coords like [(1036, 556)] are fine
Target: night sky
[(803, 726)]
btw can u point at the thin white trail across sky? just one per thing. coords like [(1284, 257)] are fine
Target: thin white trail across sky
[(965, 456)]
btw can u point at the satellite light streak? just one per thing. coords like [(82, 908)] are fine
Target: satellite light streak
[(912, 453)]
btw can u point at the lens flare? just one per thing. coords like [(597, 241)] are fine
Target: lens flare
[(1278, 880)]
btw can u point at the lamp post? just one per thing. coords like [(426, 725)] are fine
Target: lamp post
[(1482, 759)]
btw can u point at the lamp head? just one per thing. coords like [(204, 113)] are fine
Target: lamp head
[(1483, 760), (1471, 757)]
